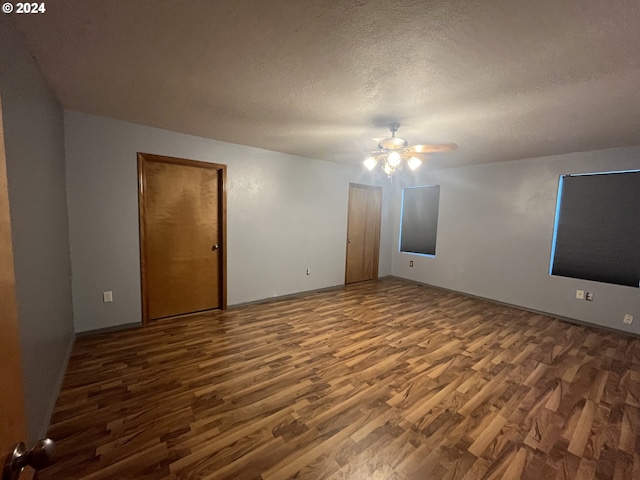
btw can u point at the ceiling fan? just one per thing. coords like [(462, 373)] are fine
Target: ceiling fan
[(392, 151)]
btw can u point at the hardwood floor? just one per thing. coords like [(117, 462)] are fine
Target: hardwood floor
[(387, 380)]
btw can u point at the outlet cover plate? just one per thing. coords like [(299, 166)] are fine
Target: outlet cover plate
[(580, 294), (628, 319)]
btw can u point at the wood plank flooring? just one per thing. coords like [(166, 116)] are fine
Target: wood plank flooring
[(388, 380)]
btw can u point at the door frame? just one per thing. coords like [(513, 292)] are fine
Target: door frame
[(222, 215), (376, 254), (12, 397)]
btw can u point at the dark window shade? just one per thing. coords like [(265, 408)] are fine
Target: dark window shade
[(419, 219), (598, 228)]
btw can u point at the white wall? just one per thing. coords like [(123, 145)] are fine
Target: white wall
[(285, 214), (34, 143), (495, 231)]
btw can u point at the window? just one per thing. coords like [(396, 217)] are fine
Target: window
[(597, 228), (419, 219)]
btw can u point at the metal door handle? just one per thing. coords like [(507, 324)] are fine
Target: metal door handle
[(37, 458), (215, 247)]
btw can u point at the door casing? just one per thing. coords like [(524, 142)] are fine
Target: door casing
[(12, 411)]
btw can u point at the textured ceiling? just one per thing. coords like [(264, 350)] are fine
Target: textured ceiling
[(319, 78)]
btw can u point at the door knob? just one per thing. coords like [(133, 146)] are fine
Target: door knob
[(37, 458), (215, 247)]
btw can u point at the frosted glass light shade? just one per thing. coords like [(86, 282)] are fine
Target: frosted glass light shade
[(370, 163), (414, 163), (394, 159)]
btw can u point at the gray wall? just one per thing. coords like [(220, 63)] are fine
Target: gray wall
[(285, 214), (495, 231), (34, 142)]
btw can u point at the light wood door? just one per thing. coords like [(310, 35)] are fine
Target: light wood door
[(12, 414), (363, 233), (182, 233)]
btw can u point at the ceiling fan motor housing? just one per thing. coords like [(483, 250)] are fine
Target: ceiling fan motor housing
[(393, 142)]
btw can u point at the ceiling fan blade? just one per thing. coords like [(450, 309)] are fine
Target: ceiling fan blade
[(432, 148)]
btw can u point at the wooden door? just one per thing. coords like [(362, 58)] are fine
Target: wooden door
[(182, 236), (12, 414), (363, 233)]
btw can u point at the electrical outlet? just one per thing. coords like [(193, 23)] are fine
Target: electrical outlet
[(411, 263), (308, 271), (589, 296), (580, 294), (107, 296), (628, 319)]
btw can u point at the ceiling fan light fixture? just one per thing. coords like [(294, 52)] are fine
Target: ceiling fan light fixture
[(370, 163), (393, 152), (413, 162)]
